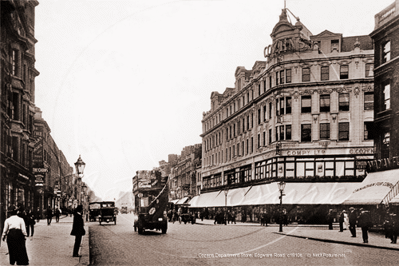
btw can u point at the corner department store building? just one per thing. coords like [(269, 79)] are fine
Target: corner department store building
[(303, 116)]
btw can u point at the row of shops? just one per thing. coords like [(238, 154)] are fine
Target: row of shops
[(302, 202)]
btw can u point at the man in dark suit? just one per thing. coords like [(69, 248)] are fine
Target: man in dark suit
[(77, 229), (352, 221), (365, 222), (49, 215)]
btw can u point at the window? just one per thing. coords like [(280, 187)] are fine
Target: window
[(334, 45), (306, 104), (270, 81), (247, 145), (14, 62), (369, 101), (325, 103), (264, 112), (343, 131), (258, 140), (344, 101), (305, 74), (368, 130), (288, 105), (306, 133), (386, 52), (281, 132), (264, 138), (277, 79), (288, 76), (258, 89), (325, 74), (325, 131), (344, 72), (270, 136), (387, 97), (277, 133), (288, 132), (282, 77), (247, 122), (369, 70), (277, 107), (281, 106)]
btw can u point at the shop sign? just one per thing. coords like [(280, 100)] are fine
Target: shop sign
[(39, 180), (362, 151), (40, 170)]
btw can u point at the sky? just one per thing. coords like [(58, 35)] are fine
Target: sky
[(124, 83)]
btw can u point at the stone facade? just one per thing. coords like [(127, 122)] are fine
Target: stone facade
[(305, 113)]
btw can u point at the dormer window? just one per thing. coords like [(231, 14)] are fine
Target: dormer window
[(335, 45)]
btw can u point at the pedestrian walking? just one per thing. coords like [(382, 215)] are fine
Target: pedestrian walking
[(364, 221), (57, 215), (233, 217), (49, 215), (341, 221), (352, 221), (15, 233), (37, 214), (77, 229), (394, 228), (30, 227)]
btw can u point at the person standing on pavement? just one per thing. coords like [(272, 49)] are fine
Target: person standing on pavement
[(37, 214), (57, 215), (364, 221), (30, 226), (352, 221), (77, 229), (49, 215), (341, 221), (330, 219), (394, 230), (15, 232)]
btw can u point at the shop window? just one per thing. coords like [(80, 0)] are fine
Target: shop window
[(306, 102), (288, 105), (369, 101), (309, 169), (368, 130), (300, 170), (343, 131), (325, 103), (306, 132), (324, 131), (288, 76), (289, 170), (325, 73), (369, 70), (306, 74), (344, 101), (386, 52), (344, 72), (387, 97)]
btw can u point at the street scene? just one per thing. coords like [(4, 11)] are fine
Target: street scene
[(199, 132)]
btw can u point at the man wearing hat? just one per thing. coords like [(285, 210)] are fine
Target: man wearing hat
[(352, 221)]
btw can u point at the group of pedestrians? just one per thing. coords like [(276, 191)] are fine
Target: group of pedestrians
[(356, 218), (20, 223), (391, 226)]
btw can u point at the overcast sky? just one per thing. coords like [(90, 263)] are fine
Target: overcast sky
[(124, 83)]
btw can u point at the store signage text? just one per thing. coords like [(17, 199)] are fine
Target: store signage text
[(387, 184), (306, 152), (40, 170)]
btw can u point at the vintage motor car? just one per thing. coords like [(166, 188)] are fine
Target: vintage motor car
[(107, 212)]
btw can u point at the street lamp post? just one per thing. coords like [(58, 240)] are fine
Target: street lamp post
[(281, 187), (80, 167)]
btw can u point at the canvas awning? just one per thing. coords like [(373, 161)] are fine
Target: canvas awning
[(182, 201), (374, 188), (333, 193), (174, 201)]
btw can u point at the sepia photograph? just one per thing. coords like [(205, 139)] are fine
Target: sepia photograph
[(199, 132)]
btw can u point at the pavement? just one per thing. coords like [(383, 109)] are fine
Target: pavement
[(322, 233), (52, 245)]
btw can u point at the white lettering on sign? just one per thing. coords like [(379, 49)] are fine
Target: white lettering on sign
[(306, 152), (362, 151)]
